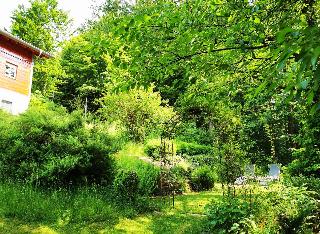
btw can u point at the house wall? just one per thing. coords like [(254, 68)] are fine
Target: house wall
[(19, 101), (16, 90)]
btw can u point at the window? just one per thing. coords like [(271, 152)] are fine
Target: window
[(11, 70), (6, 105)]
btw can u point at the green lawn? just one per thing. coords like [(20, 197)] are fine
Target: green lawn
[(26, 210), (186, 217)]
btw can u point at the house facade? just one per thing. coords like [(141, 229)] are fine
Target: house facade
[(16, 69)]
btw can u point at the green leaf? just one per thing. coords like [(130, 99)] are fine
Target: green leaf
[(257, 20), (315, 108), (260, 88), (282, 64), (314, 58), (147, 18), (310, 97), (282, 34), (304, 84), (283, 58)]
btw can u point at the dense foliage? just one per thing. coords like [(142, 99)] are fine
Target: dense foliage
[(202, 178), (140, 112), (228, 83), (126, 185), (47, 146), (281, 209), (148, 175), (236, 73), (43, 24)]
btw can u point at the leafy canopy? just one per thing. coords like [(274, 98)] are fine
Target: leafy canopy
[(43, 24)]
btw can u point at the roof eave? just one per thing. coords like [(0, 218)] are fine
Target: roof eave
[(35, 50)]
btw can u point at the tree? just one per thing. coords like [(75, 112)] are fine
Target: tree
[(43, 24), (241, 70), (48, 74), (141, 112)]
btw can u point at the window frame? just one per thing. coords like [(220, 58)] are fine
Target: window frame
[(14, 68), (6, 105)]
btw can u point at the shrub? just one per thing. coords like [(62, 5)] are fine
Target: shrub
[(153, 151), (179, 176), (148, 174), (231, 162), (48, 146), (202, 178), (189, 132), (279, 209), (140, 111), (223, 214), (172, 180), (202, 160), (190, 149), (293, 207), (311, 183), (126, 185)]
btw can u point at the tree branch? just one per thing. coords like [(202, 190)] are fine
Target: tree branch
[(186, 57)]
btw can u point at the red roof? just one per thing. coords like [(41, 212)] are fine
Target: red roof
[(35, 50)]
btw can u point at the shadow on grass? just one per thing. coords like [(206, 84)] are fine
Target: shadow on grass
[(14, 226), (26, 210), (195, 203), (161, 223), (188, 216)]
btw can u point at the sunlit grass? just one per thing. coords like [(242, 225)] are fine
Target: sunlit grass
[(138, 225), (131, 150), (194, 203), (187, 216), (25, 210), (57, 210)]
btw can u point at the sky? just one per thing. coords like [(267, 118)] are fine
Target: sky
[(79, 10)]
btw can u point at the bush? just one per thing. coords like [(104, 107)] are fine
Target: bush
[(231, 162), (189, 132), (202, 160), (306, 163), (140, 111), (222, 215), (190, 149), (279, 209), (48, 146), (126, 185), (172, 180), (179, 176), (148, 174), (153, 151), (293, 208), (311, 183), (202, 178)]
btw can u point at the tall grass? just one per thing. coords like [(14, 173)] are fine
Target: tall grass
[(61, 207), (129, 159)]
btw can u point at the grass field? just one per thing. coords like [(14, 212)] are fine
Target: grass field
[(185, 217), (24, 209), (28, 211)]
